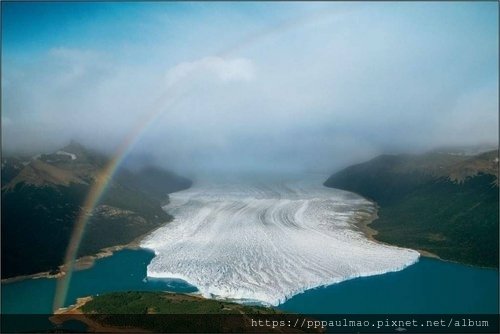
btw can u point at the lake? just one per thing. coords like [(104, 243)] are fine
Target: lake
[(429, 286)]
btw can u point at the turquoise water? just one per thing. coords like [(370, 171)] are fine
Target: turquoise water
[(123, 271), (429, 286)]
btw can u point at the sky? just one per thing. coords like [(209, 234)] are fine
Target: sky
[(249, 86)]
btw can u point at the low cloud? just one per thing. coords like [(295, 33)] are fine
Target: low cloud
[(227, 70), (311, 96)]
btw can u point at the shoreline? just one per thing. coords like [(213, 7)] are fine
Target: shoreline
[(363, 224), (73, 312), (370, 233), (81, 301), (84, 262)]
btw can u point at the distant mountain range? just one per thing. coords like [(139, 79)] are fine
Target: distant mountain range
[(443, 202), (42, 197)]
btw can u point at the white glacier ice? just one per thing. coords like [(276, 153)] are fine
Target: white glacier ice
[(268, 242)]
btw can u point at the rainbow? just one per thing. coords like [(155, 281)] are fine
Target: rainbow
[(104, 177), (101, 182)]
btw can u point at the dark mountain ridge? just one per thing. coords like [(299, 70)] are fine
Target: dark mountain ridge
[(446, 204), (42, 197)]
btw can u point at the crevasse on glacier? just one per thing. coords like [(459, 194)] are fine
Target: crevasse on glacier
[(268, 242)]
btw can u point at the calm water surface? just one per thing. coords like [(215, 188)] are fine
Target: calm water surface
[(429, 286)]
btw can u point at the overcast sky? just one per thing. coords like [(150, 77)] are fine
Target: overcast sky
[(250, 86)]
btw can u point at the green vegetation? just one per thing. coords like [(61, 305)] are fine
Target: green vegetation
[(458, 222), (454, 219), (42, 198), (37, 223), (178, 313), (153, 181), (165, 303), (10, 168)]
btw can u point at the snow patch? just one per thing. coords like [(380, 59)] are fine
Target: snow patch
[(73, 156)]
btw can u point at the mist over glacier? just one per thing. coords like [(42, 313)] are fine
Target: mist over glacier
[(266, 242), (266, 86)]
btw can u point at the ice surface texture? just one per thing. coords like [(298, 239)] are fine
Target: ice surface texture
[(268, 242)]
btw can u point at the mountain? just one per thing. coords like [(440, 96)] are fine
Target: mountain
[(11, 166), (441, 202), (154, 181), (42, 197)]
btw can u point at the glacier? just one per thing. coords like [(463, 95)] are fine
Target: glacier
[(265, 242)]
